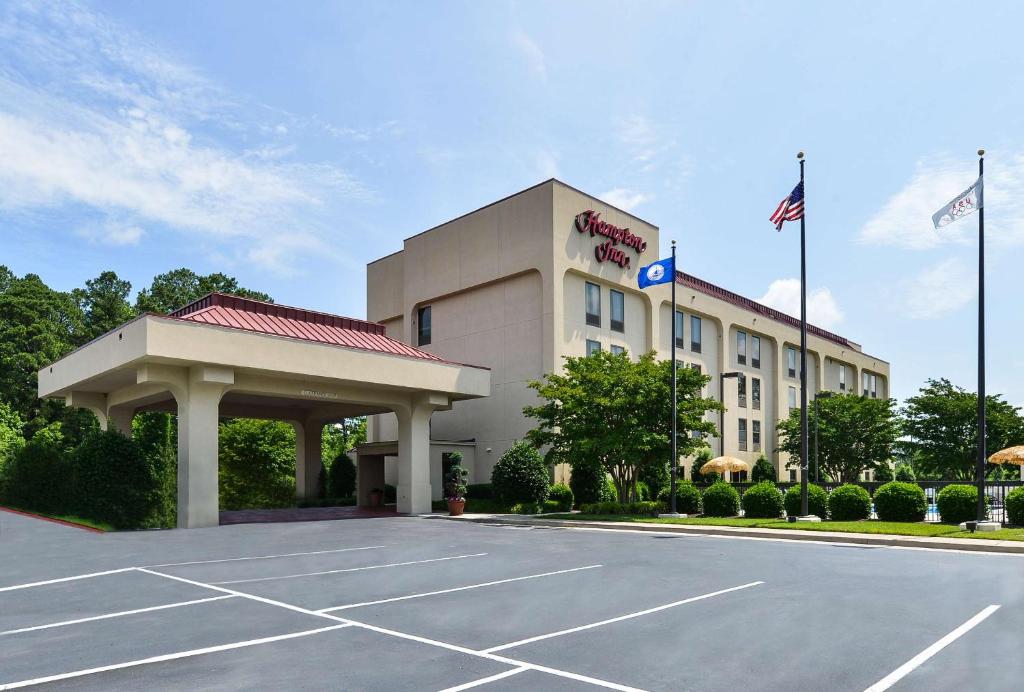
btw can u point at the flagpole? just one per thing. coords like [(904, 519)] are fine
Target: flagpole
[(981, 343), (674, 461), (803, 347)]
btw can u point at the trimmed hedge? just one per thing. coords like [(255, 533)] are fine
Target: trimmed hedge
[(899, 501), (113, 481), (341, 480), (587, 482), (687, 497), (643, 508), (480, 491), (958, 503), (817, 501), (721, 500), (561, 495), (762, 500), (37, 477), (1015, 506), (520, 476), (849, 502)]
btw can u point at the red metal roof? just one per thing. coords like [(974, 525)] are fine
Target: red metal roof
[(746, 303), (225, 310)]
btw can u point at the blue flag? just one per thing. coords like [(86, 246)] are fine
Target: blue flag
[(660, 272)]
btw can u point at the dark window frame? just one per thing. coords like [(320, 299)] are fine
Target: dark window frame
[(617, 325), (741, 391), (423, 333), (791, 361), (695, 344), (755, 351), (680, 320), (741, 433), (741, 347), (755, 392), (592, 341), (616, 350), (593, 319), (755, 434)]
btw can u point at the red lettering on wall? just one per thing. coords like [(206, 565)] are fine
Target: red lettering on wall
[(590, 221)]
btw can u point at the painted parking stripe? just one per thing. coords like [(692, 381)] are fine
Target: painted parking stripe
[(267, 557), (914, 663), (350, 569), (457, 588), (484, 681), (620, 618), (64, 579), (117, 615), (168, 657)]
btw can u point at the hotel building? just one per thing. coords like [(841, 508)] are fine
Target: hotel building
[(551, 272)]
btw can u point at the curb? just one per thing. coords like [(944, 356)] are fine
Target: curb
[(62, 522), (880, 540)]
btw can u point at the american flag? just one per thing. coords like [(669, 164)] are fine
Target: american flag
[(791, 208)]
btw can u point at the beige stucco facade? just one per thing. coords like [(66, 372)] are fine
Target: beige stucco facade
[(506, 288)]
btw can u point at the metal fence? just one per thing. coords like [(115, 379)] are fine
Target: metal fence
[(996, 491)]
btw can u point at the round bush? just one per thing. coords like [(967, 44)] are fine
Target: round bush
[(762, 500), (1015, 506), (899, 501), (561, 494), (687, 497), (587, 482), (905, 473), (849, 503), (37, 478), (763, 470), (341, 481), (817, 501), (521, 476), (721, 500), (958, 503), (114, 481)]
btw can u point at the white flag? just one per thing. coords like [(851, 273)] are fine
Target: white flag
[(968, 201)]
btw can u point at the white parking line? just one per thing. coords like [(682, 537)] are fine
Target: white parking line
[(63, 579), (116, 615), (457, 588), (914, 663), (167, 657), (620, 618), (349, 569), (484, 681), (266, 557)]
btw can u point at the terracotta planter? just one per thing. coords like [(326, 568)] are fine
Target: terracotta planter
[(456, 507), (376, 497)]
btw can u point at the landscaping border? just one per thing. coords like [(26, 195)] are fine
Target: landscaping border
[(54, 520)]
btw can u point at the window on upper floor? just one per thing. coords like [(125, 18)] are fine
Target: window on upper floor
[(791, 361), (741, 391), (842, 377), (694, 333), (865, 384), (792, 398), (755, 392), (617, 350), (755, 435), (742, 434), (423, 326), (755, 351), (618, 311), (593, 304), (741, 348), (792, 475), (874, 387), (593, 347), (679, 320)]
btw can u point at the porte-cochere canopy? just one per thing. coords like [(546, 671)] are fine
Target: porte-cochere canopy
[(228, 356)]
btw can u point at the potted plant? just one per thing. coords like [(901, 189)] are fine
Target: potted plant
[(376, 497), (455, 485)]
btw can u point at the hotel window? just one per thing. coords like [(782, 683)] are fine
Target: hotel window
[(743, 434), (741, 348), (680, 342), (694, 333), (792, 475), (755, 392), (593, 305), (695, 366), (792, 398), (741, 391), (593, 347), (791, 360), (842, 378), (755, 351), (865, 384), (756, 435), (874, 387), (423, 326), (617, 350), (618, 311)]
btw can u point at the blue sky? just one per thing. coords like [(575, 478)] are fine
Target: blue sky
[(290, 143)]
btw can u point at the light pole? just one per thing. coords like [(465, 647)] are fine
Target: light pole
[(721, 414), (819, 395)]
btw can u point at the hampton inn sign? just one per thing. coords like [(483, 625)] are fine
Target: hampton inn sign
[(590, 221)]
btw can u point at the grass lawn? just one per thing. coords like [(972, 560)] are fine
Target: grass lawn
[(869, 526), (71, 518)]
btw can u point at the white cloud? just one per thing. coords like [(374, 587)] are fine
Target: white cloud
[(939, 290), (625, 199), (822, 308), (637, 134), (906, 219), (531, 52), (112, 233)]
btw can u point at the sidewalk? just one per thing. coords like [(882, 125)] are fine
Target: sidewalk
[(881, 540)]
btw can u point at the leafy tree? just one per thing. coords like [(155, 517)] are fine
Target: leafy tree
[(884, 472), (904, 473), (179, 287), (617, 411), (104, 304), (763, 470), (703, 457), (855, 433), (257, 464), (940, 424), (339, 438)]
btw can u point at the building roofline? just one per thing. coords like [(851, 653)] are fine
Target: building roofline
[(234, 302)]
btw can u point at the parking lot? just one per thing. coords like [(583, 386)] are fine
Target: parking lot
[(427, 604)]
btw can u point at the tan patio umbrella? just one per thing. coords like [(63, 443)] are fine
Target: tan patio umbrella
[(1010, 455), (723, 464)]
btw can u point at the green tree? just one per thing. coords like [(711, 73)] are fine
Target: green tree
[(179, 287), (257, 464), (855, 433), (104, 304), (341, 437), (763, 470), (618, 411), (940, 426)]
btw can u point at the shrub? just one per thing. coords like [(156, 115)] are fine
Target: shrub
[(884, 472), (817, 501), (849, 503), (905, 473), (37, 477), (587, 482), (480, 491), (655, 476), (520, 476), (551, 506), (643, 492), (687, 498), (703, 457), (455, 481), (114, 481), (561, 494), (899, 501), (610, 492), (526, 508), (763, 470), (390, 494), (641, 508), (762, 500), (958, 503), (1015, 506), (257, 464), (721, 500), (341, 481)]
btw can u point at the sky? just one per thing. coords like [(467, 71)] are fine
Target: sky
[(288, 144)]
